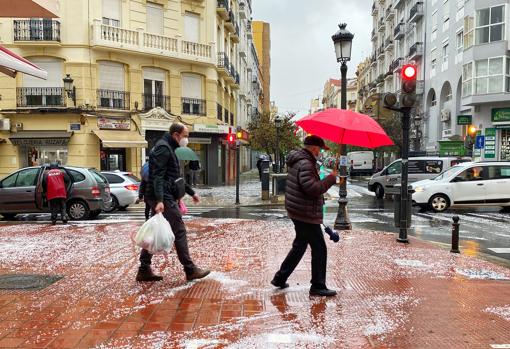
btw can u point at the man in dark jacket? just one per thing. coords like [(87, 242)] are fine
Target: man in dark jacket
[(162, 192), (304, 200)]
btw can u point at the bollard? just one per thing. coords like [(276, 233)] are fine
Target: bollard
[(455, 235)]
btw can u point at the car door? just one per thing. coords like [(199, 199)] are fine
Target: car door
[(469, 186), (20, 197), (498, 184), (393, 175), (7, 188)]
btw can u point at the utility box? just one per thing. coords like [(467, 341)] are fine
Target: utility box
[(279, 185)]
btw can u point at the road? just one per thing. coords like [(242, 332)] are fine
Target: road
[(482, 230)]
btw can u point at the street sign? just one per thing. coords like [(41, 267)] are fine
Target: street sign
[(479, 142), (464, 119), (490, 143), (343, 160)]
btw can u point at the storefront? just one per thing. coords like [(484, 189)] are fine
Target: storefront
[(499, 134), (41, 147)]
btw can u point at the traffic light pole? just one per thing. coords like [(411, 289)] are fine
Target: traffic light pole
[(404, 191), (238, 172)]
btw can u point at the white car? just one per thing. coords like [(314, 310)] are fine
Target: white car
[(123, 189), (467, 184)]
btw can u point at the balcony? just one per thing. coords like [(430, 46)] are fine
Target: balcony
[(37, 97), (34, 30), (249, 33), (396, 64), (109, 37), (388, 43), (111, 99), (390, 13), (399, 31), (382, 24), (235, 35), (236, 80), (223, 64), (396, 3), (374, 35), (223, 8), (374, 9), (416, 51), (416, 12), (193, 106), (242, 10), (380, 51), (152, 101), (230, 24)]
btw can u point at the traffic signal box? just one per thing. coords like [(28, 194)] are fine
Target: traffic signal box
[(407, 92)]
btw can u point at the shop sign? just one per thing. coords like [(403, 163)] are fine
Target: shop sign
[(74, 127), (40, 142), (195, 140), (501, 115), (104, 123), (464, 119), (217, 129), (490, 143), (451, 148)]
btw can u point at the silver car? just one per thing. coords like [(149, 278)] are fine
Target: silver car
[(123, 189), (22, 192)]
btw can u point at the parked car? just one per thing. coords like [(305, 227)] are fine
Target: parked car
[(387, 182), (468, 184), (361, 162), (22, 192), (123, 189)]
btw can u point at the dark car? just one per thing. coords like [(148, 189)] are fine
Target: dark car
[(22, 192)]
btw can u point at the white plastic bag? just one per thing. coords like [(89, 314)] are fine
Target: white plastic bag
[(155, 235)]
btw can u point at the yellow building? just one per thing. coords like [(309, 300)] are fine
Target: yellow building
[(135, 67), (262, 41)]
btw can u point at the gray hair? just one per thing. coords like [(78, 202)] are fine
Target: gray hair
[(176, 127)]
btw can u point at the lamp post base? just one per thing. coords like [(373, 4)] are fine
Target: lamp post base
[(342, 221)]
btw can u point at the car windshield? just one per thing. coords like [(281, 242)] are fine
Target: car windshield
[(447, 173)]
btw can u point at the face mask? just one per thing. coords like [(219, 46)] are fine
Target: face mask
[(183, 142)]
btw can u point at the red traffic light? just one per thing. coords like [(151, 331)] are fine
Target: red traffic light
[(409, 72), (231, 138)]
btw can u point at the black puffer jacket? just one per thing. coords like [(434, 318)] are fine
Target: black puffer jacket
[(164, 169), (304, 194)]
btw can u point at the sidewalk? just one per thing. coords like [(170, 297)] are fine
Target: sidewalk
[(390, 295)]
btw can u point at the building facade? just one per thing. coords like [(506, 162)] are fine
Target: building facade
[(262, 40), (332, 94), (135, 67)]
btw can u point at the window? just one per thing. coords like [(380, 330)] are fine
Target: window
[(468, 32), (27, 178), (192, 27), (113, 179), (490, 24), (111, 85), (98, 176), (111, 12), (395, 168), (434, 20), (446, 23), (467, 79), (153, 88), (425, 166), (471, 174), (445, 52), (10, 182), (460, 41), (192, 102), (434, 64), (49, 92), (433, 101), (155, 20), (76, 176), (489, 75), (499, 172)]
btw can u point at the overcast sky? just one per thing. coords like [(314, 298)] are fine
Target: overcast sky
[(302, 52)]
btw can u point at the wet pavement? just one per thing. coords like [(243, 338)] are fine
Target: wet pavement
[(390, 295)]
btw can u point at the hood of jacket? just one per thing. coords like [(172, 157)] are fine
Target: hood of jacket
[(298, 155)]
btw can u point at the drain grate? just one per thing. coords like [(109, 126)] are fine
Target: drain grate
[(30, 282)]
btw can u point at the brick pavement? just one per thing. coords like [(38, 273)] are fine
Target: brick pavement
[(390, 295)]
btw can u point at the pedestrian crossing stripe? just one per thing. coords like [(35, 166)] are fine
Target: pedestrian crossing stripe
[(500, 250)]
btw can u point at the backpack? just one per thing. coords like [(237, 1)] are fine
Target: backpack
[(144, 173)]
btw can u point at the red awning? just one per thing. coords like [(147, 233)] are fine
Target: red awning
[(11, 63)]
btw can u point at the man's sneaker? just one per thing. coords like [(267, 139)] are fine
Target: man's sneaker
[(147, 276), (281, 285), (197, 273), (65, 219), (323, 292)]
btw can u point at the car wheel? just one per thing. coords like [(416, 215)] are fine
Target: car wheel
[(77, 210), (379, 191), (113, 206), (439, 203), (8, 216)]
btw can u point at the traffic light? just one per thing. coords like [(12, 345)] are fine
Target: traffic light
[(408, 93), (239, 133), (231, 138), (389, 100)]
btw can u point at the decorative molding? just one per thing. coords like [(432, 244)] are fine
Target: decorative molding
[(158, 113)]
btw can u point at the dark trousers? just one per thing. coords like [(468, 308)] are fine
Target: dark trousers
[(57, 206), (306, 234), (147, 211), (173, 216)]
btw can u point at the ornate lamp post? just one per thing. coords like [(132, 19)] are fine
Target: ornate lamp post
[(343, 48)]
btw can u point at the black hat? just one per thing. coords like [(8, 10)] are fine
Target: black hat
[(317, 141)]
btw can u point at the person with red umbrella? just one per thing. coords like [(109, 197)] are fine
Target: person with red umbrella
[(304, 198)]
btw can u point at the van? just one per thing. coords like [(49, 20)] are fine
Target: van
[(387, 182), (361, 162)]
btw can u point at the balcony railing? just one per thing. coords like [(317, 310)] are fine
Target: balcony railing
[(388, 42), (396, 64), (416, 50), (40, 97), (223, 61), (36, 30), (151, 101), (399, 30), (416, 11), (112, 99), (224, 4), (142, 42), (193, 106)]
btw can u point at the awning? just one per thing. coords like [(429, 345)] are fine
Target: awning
[(40, 138), (29, 8), (11, 63), (121, 139)]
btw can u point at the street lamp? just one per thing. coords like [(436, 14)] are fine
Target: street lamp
[(278, 122), (70, 88), (343, 48)]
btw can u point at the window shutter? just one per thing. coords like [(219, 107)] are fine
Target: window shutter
[(55, 71), (111, 9), (154, 74), (154, 19), (111, 76), (191, 27), (192, 86)]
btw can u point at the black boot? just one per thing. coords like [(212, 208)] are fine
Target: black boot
[(145, 275), (279, 284), (197, 273), (323, 292)]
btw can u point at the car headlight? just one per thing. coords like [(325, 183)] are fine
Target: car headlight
[(419, 189)]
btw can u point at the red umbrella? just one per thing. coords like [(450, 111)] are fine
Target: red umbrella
[(346, 127)]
